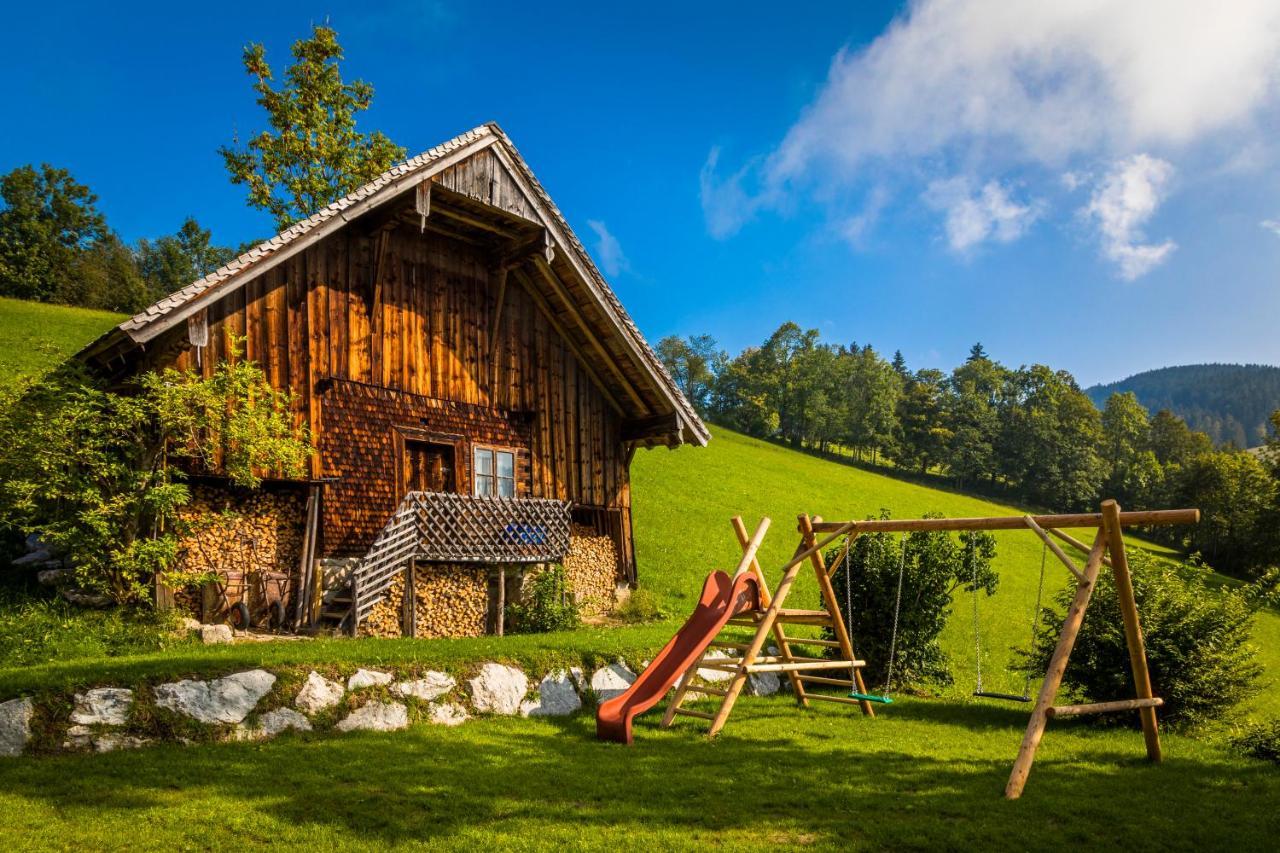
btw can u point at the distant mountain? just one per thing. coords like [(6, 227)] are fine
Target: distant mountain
[(1230, 402)]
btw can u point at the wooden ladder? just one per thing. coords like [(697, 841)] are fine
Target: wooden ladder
[(768, 622)]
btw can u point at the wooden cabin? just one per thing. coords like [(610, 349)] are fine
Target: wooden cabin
[(443, 332)]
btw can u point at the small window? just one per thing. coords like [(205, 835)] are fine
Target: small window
[(495, 472)]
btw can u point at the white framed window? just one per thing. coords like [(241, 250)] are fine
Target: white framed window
[(495, 472)]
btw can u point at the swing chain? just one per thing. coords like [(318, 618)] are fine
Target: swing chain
[(897, 608), (977, 632)]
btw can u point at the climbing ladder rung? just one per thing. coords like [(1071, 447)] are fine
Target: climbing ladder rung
[(1103, 707), (796, 666), (806, 641), (841, 699), (798, 617), (708, 691), (702, 715)]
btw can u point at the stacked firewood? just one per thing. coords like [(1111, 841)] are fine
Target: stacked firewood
[(591, 570), (242, 531), (451, 600), (384, 619)]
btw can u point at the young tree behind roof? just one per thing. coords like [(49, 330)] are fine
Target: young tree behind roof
[(312, 153)]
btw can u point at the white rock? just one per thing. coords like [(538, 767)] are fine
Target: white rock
[(224, 700), (556, 697), (763, 683), (214, 635), (431, 686), (368, 678), (448, 714), (612, 680), (376, 717), (186, 623), (103, 706), (110, 742), (273, 723), (319, 694), (15, 725), (78, 737), (498, 689), (716, 675)]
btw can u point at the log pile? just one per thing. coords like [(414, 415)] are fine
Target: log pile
[(591, 570), (450, 601)]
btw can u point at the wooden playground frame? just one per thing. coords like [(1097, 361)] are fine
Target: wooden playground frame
[(771, 619)]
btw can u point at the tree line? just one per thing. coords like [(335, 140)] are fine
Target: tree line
[(1029, 433)]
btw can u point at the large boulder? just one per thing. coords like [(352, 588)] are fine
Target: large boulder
[(713, 676), (368, 678), (318, 694), (612, 680), (224, 700), (273, 723), (15, 725), (431, 686), (103, 706), (763, 683), (376, 717), (498, 689), (557, 697), (216, 635)]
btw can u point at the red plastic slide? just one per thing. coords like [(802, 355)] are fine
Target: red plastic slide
[(722, 598)]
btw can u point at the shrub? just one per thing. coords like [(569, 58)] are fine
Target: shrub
[(641, 606), (36, 631), (1260, 740), (1197, 641), (547, 604), (936, 564)]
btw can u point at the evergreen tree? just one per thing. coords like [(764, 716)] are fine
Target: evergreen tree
[(172, 262)]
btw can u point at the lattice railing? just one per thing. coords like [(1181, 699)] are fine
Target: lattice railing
[(443, 527)]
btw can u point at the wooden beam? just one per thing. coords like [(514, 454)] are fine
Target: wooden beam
[(610, 360), (1104, 707), (1076, 543), (1132, 625), (538, 300), (472, 221), (658, 425), (1057, 666), (1011, 522), (1055, 548), (779, 635)]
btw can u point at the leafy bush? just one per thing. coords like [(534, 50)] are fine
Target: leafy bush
[(1260, 740), (91, 470), (641, 606), (36, 631), (935, 565), (547, 604), (1197, 641)]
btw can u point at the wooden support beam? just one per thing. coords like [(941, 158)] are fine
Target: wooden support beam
[(611, 361), (779, 635), (1132, 625), (1104, 707), (1057, 666), (1011, 522), (829, 599), (1076, 543), (1055, 548)]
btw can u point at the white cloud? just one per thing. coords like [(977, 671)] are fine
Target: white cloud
[(975, 217), (1272, 225), (608, 250), (1121, 204), (1037, 82)]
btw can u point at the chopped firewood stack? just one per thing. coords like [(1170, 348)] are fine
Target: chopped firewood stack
[(591, 570), (451, 601), (238, 531)]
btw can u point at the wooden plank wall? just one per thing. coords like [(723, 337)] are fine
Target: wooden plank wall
[(424, 329)]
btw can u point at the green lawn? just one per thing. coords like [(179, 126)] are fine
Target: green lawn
[(34, 337)]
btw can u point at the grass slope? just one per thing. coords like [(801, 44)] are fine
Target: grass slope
[(34, 337)]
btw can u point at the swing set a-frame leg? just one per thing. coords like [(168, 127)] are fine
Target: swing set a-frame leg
[(1109, 536)]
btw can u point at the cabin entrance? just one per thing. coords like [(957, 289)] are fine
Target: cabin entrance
[(429, 466)]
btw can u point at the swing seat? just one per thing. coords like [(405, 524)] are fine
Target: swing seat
[(1008, 697), (871, 697)]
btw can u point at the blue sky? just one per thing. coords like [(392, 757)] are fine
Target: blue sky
[(1092, 187)]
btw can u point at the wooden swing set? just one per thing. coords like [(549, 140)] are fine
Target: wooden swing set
[(770, 620)]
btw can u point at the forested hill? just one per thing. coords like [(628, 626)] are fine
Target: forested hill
[(1230, 402)]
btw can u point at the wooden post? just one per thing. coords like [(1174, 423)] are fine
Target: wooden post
[(499, 617), (829, 598), (784, 646), (409, 626), (1057, 666), (1132, 627)]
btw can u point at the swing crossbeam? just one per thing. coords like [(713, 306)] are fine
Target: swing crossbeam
[(1144, 518)]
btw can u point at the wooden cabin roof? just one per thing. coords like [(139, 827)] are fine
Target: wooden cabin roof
[(482, 184)]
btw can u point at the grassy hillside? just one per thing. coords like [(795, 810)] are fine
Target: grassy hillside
[(685, 498), (34, 337)]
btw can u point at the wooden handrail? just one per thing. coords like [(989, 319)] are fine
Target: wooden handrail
[(1008, 522)]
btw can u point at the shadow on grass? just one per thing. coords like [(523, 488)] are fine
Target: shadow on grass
[(776, 776)]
